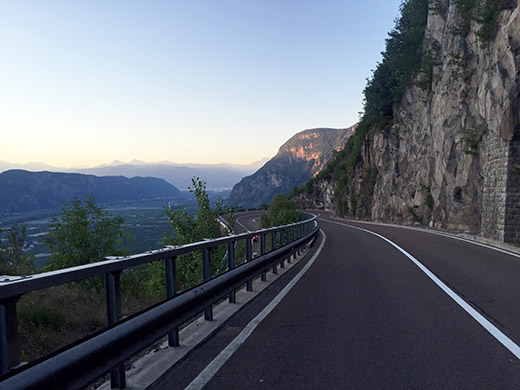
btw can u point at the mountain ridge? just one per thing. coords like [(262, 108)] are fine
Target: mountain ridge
[(298, 159), (27, 191), (218, 177)]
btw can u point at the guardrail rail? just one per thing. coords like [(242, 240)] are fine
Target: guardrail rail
[(90, 358)]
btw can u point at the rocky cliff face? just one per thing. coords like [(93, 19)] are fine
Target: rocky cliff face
[(451, 156), (300, 158)]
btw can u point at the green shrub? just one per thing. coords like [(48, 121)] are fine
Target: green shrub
[(366, 192), (425, 77), (484, 12), (282, 211), (471, 138), (84, 234), (13, 261), (428, 198)]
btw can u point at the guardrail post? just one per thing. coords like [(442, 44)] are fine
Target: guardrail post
[(206, 275), (113, 301), (297, 236), (284, 238), (294, 231), (231, 265), (273, 247), (171, 289), (9, 346), (262, 252), (249, 283), (291, 238), (300, 234)]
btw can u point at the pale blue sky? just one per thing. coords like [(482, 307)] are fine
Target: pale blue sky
[(209, 81)]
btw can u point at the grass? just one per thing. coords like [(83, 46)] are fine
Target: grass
[(55, 317), (52, 318)]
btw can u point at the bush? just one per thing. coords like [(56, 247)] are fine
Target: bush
[(484, 12), (12, 259), (190, 228), (84, 234), (282, 211)]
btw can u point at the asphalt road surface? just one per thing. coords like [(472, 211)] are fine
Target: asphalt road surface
[(403, 310), (246, 221)]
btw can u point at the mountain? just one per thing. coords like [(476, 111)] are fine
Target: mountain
[(24, 191), (441, 147), (218, 177), (297, 160), (32, 166)]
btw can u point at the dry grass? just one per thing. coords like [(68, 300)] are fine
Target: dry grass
[(55, 317), (52, 318)]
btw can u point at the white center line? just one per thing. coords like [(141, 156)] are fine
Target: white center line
[(492, 329), (211, 369)]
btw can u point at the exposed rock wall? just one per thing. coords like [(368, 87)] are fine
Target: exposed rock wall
[(451, 159)]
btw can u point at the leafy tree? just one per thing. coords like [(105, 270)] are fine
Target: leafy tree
[(84, 234), (282, 211), (12, 259), (188, 228), (196, 227)]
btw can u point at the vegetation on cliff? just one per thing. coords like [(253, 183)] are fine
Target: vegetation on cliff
[(484, 12), (402, 60), (439, 113)]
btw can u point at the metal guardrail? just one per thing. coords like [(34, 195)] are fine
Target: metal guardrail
[(85, 361)]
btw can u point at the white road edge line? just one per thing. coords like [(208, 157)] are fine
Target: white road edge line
[(241, 224), (492, 329), (211, 369), (438, 233)]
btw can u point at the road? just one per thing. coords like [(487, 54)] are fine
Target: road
[(411, 310), (246, 221)]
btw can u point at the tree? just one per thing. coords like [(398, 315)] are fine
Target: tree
[(12, 259), (84, 234), (188, 228), (203, 224), (282, 211)]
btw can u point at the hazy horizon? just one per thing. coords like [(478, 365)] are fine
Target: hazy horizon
[(132, 162)]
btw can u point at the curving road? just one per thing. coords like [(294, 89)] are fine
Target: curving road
[(246, 221), (376, 307)]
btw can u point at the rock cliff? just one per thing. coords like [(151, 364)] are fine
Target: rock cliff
[(300, 158), (450, 155)]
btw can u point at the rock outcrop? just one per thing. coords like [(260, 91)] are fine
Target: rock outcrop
[(297, 160), (451, 156)]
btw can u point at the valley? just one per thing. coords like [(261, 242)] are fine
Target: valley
[(146, 221)]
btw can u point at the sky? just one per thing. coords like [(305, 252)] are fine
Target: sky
[(195, 81)]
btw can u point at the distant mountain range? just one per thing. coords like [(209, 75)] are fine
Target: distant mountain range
[(300, 158), (26, 191), (218, 177)]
